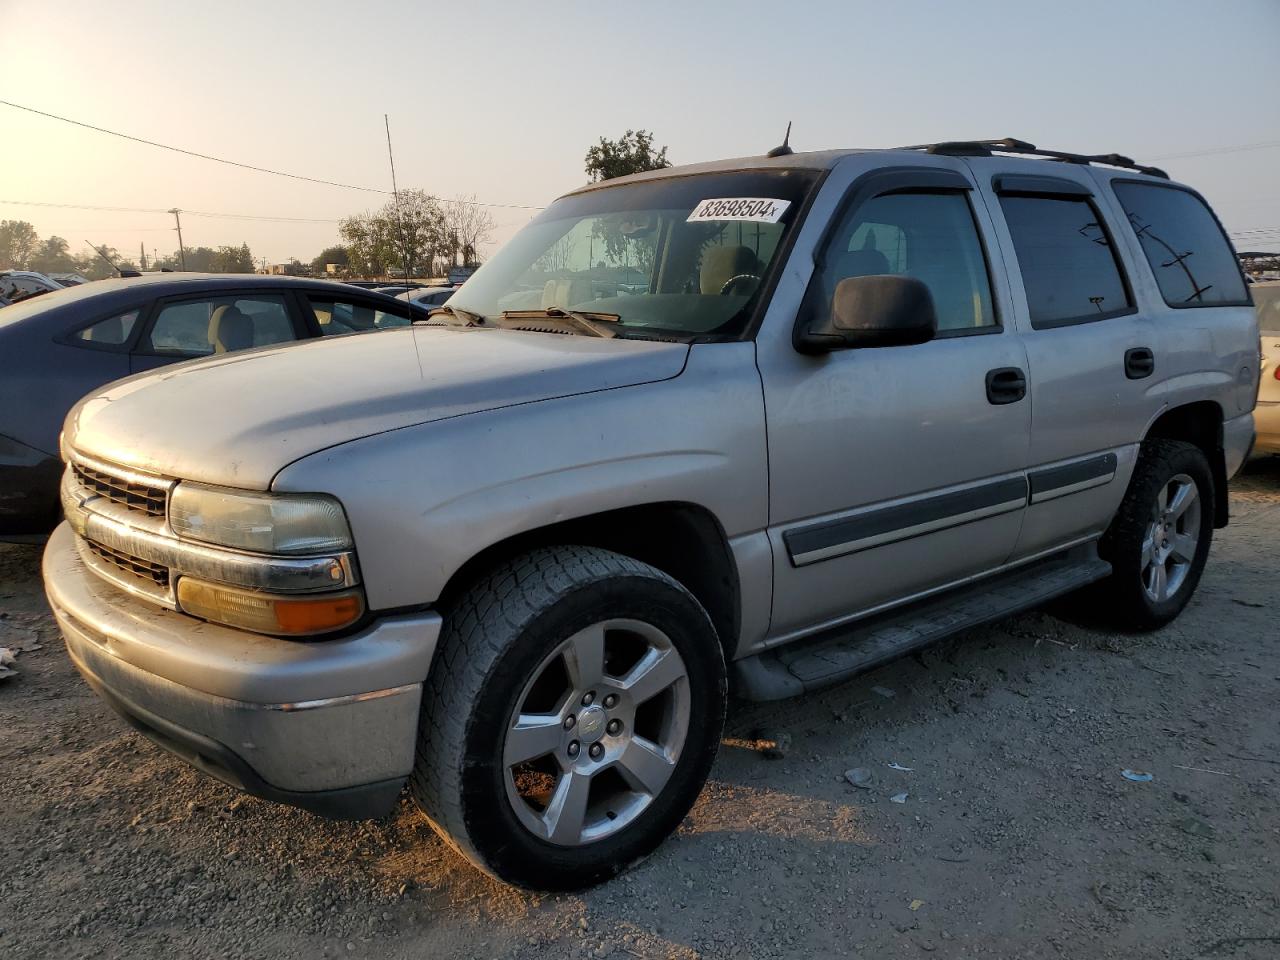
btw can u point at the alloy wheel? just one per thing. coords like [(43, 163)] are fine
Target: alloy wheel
[(1169, 546), (596, 733)]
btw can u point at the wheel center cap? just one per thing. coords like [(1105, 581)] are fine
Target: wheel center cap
[(591, 723)]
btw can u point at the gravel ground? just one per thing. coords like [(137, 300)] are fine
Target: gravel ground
[(1018, 837)]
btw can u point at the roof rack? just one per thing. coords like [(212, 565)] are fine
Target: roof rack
[(985, 148)]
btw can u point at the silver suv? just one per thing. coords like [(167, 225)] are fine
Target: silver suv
[(518, 555)]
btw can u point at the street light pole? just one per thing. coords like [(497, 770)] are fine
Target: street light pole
[(182, 252)]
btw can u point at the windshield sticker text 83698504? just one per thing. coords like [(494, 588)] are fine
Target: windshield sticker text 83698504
[(755, 209)]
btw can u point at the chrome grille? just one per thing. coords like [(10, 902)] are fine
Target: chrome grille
[(144, 569), (138, 497)]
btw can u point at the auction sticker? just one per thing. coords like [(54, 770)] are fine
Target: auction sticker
[(753, 209)]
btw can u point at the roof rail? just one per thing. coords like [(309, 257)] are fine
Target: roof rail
[(985, 148)]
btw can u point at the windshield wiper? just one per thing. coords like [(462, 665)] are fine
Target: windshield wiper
[(457, 316), (590, 321)]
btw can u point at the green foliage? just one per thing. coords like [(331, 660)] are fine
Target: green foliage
[(633, 152), (233, 260), (54, 256), (18, 243), (335, 254), (381, 242)]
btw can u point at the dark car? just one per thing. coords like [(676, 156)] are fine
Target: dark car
[(56, 347)]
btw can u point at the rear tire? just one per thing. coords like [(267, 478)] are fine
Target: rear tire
[(612, 766), (1159, 539)]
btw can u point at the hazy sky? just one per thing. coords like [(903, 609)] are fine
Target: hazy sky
[(501, 100)]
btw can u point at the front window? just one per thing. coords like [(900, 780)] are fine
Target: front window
[(678, 257), (199, 328)]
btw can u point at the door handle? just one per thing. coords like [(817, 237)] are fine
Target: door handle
[(1006, 385), (1139, 362)]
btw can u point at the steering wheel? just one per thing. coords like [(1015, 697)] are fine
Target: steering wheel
[(735, 280)]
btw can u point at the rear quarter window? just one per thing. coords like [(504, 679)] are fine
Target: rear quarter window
[(1189, 254)]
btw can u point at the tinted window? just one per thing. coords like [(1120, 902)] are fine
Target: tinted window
[(931, 237), (112, 331), (337, 317), (1068, 265), (220, 325), (1186, 248)]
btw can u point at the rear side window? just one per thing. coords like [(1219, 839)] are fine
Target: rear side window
[(1068, 266), (1187, 250), (111, 332)]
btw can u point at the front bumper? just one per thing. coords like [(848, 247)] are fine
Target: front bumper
[(329, 725), (1266, 421)]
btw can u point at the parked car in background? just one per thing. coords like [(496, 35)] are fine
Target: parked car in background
[(1266, 415), (57, 347), (16, 285), (69, 279), (514, 556), (428, 296), (460, 275)]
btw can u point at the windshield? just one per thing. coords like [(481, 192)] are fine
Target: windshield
[(1266, 299), (676, 257)]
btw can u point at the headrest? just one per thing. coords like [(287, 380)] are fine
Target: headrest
[(230, 329)]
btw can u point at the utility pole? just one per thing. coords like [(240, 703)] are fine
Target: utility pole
[(182, 252)]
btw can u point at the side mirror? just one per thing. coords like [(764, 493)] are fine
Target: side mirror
[(876, 311)]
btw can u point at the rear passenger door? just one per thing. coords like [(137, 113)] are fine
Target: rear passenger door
[(1091, 351), (184, 328), (895, 470)]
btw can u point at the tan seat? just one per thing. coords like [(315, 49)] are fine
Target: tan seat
[(566, 293), (230, 329), (722, 264)]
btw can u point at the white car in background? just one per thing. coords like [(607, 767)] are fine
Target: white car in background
[(428, 297), (1266, 415)]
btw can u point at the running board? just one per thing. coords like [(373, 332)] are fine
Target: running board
[(805, 665)]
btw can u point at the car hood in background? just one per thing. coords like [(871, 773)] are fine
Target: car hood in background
[(237, 420)]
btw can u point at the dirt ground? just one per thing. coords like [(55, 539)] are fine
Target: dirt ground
[(1018, 836)]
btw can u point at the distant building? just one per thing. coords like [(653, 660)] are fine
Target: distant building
[(291, 269)]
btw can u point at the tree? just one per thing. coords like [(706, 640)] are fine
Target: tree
[(233, 260), (335, 254), (53, 256), (631, 153), (407, 237), (467, 224), (18, 242)]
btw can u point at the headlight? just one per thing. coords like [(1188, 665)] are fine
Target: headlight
[(258, 522)]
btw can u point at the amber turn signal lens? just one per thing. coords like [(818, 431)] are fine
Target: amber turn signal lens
[(285, 616)]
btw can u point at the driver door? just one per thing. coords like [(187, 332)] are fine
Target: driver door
[(895, 470)]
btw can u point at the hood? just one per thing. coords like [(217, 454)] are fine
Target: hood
[(237, 420)]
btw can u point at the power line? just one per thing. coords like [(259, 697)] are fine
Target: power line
[(236, 163), (190, 153), (1214, 151)]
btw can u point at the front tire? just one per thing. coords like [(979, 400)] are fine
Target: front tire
[(571, 717), (1159, 540)]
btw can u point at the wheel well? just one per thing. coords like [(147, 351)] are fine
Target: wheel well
[(684, 541), (1199, 423)]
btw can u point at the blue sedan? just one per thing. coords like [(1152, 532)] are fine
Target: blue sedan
[(57, 347)]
